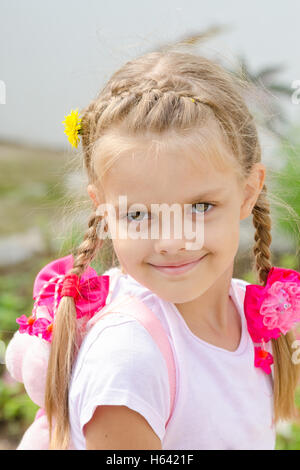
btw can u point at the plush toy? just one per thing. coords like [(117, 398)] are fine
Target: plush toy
[(27, 361), (28, 351)]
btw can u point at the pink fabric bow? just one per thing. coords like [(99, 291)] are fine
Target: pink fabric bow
[(47, 289), (272, 310)]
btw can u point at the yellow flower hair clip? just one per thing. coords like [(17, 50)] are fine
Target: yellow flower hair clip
[(72, 124)]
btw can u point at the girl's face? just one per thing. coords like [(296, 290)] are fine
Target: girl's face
[(212, 193)]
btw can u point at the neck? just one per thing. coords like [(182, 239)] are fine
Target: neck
[(212, 308)]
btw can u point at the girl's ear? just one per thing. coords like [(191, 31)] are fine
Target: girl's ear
[(252, 189)]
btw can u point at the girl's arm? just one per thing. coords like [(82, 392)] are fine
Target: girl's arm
[(119, 427)]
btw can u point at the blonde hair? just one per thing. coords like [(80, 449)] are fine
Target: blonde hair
[(161, 93)]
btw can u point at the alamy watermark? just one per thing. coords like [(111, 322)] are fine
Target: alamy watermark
[(2, 92), (296, 94), (2, 352), (296, 354), (190, 226)]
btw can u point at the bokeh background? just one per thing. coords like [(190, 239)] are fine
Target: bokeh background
[(54, 57)]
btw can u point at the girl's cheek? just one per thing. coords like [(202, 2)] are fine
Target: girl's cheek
[(220, 231), (132, 250)]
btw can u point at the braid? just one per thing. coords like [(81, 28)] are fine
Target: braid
[(115, 104), (88, 247), (286, 375), (64, 345), (87, 131), (263, 238)]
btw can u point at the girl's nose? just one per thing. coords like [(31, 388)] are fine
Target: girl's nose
[(171, 245)]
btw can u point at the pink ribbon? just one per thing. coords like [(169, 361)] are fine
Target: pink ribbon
[(93, 291)]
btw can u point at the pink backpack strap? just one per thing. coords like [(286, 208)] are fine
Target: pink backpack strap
[(130, 305)]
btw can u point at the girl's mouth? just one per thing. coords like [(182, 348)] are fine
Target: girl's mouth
[(175, 270)]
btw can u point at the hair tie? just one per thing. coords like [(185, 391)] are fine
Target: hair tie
[(70, 286), (51, 284)]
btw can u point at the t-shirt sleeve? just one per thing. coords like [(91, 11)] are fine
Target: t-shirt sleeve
[(120, 364)]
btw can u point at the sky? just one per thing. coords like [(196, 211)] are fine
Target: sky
[(55, 56)]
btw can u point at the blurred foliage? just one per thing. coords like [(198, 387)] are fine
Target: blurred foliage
[(286, 182), (17, 411), (15, 403), (291, 441)]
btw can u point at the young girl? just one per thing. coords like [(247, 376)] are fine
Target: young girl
[(172, 128)]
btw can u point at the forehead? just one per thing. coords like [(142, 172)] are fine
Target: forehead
[(153, 169)]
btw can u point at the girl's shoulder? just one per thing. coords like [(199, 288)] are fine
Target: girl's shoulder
[(240, 283), (120, 360), (120, 363), (238, 290), (122, 285)]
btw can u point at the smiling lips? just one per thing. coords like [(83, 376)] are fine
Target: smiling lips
[(178, 269)]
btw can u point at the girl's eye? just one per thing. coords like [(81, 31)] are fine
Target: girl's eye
[(200, 206), (135, 219)]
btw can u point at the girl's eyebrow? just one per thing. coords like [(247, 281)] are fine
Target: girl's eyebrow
[(200, 197), (206, 195)]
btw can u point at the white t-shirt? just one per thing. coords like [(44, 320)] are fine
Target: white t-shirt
[(222, 400)]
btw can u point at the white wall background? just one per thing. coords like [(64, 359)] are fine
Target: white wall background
[(55, 55)]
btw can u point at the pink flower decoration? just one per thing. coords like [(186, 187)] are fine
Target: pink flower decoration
[(26, 324), (43, 327), (273, 309), (263, 359), (281, 307)]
